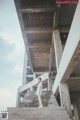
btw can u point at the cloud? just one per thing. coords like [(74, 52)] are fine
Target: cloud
[(18, 68), (5, 48), (11, 65), (11, 54), (9, 27), (7, 98), (11, 68), (7, 56)]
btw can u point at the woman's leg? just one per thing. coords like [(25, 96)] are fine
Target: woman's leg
[(40, 100)]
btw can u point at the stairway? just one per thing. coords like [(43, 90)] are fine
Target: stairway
[(31, 100), (45, 113), (50, 112)]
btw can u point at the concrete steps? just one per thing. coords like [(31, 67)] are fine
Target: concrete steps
[(47, 108), (51, 112), (45, 113), (41, 119), (30, 99)]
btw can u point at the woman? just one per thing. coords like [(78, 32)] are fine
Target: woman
[(39, 92)]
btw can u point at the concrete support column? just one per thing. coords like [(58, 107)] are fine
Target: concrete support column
[(24, 70), (50, 81), (56, 42), (78, 107), (57, 47), (65, 97), (71, 53), (18, 100), (75, 111), (49, 84)]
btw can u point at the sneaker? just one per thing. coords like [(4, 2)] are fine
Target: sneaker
[(40, 106)]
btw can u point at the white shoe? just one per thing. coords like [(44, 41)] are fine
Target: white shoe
[(40, 106)]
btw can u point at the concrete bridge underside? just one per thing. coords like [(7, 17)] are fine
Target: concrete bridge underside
[(52, 40), (48, 32), (38, 21)]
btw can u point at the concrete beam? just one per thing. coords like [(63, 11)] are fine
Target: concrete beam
[(71, 53), (40, 69), (37, 30), (36, 10), (64, 30), (37, 44), (33, 83), (74, 78)]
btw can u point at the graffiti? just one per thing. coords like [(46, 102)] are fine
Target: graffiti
[(3, 115), (67, 2)]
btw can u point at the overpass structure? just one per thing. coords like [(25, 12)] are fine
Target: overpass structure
[(51, 35)]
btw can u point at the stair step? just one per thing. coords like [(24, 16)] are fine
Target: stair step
[(38, 116), (38, 119), (36, 108), (24, 112), (30, 99), (51, 112), (40, 112)]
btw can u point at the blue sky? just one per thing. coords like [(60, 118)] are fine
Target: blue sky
[(11, 54)]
